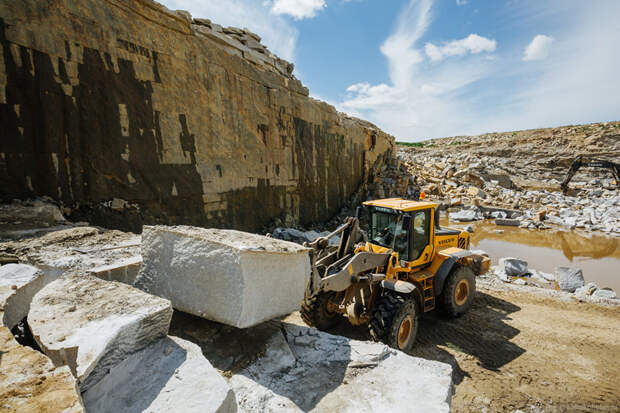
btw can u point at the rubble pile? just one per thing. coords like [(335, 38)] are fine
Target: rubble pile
[(520, 173), (567, 279)]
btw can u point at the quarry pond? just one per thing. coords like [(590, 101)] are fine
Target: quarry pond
[(597, 256)]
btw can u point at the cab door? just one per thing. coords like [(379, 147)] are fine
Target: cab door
[(420, 238)]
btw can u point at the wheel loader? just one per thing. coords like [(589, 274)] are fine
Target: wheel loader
[(406, 266)]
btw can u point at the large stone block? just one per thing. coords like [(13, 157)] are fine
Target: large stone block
[(169, 375), (18, 285), (308, 370), (91, 325), (29, 382), (232, 277)]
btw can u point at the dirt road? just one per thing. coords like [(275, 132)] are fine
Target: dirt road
[(520, 351)]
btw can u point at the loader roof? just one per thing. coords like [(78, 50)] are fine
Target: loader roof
[(401, 204)]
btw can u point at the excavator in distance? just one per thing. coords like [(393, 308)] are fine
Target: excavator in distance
[(584, 161), (408, 265)]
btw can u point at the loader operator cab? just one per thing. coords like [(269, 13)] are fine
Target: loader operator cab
[(407, 232)]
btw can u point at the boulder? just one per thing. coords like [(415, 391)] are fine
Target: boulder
[(169, 375), (18, 285), (569, 278), (29, 382), (513, 267), (91, 325), (605, 293), (228, 276), (465, 215), (586, 290), (308, 370)]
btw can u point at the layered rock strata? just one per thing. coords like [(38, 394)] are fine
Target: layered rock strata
[(228, 276), (127, 113)]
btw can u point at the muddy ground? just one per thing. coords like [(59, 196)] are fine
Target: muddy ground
[(523, 351)]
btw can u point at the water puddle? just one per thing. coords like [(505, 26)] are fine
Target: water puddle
[(597, 256)]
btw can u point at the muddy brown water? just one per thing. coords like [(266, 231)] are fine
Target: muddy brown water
[(597, 256)]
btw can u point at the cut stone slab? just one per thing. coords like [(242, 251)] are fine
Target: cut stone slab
[(231, 277), (18, 285), (508, 222), (303, 369), (124, 271), (91, 325), (29, 382), (569, 278), (168, 375)]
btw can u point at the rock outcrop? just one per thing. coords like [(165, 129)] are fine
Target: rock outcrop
[(91, 325), (29, 382), (128, 113), (228, 276)]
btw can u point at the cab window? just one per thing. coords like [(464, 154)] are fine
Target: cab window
[(420, 233), (386, 230)]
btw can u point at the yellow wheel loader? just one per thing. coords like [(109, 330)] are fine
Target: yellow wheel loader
[(408, 265)]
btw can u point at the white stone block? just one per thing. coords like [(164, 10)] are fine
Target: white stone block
[(170, 375), (308, 370), (18, 285), (91, 325), (228, 276)]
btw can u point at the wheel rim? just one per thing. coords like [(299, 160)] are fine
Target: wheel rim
[(461, 292), (404, 331)]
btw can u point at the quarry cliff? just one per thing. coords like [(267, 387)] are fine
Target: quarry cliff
[(127, 113)]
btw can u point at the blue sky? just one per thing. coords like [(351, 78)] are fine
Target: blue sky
[(429, 68)]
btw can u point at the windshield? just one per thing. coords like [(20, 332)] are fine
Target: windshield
[(386, 231)]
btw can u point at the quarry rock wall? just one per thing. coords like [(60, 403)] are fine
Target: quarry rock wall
[(128, 113)]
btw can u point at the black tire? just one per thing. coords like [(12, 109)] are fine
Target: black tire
[(394, 321), (314, 311), (458, 292)]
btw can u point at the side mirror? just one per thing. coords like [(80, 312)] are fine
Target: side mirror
[(359, 211), (406, 224)]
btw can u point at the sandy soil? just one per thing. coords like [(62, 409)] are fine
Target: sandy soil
[(517, 350)]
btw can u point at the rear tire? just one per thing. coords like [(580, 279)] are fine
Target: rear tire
[(316, 313), (394, 321), (458, 292)]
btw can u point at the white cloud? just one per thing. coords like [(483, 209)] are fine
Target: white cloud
[(461, 2), (419, 98), (480, 93), (473, 44), (539, 48), (298, 9), (278, 34)]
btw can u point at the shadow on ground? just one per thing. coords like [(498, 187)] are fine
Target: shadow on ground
[(481, 333), (270, 360)]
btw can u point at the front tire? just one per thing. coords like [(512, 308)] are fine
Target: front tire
[(317, 311), (394, 321), (458, 292)]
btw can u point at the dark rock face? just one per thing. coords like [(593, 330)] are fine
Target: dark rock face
[(125, 114)]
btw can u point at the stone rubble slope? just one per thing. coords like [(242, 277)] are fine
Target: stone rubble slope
[(169, 375), (304, 369), (522, 171), (91, 325), (29, 382), (228, 276)]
